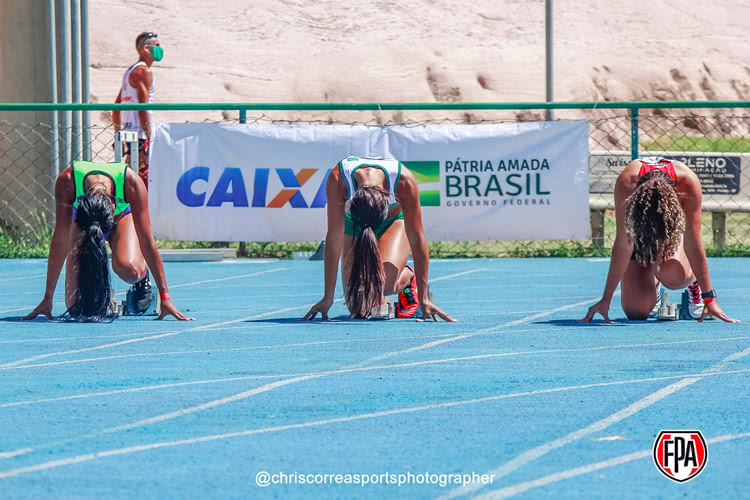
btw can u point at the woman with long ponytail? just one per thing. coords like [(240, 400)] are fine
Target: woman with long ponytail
[(374, 220), (98, 204), (364, 289), (658, 242), (92, 294)]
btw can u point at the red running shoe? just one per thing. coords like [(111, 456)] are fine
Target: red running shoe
[(408, 303)]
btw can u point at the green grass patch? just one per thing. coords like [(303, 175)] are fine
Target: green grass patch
[(21, 248), (253, 249), (697, 144), (737, 244)]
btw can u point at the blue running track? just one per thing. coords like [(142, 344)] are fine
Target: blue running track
[(516, 389)]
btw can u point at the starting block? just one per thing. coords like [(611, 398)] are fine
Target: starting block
[(127, 308), (672, 312), (668, 310), (387, 310)]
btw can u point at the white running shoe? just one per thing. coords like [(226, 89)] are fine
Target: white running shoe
[(695, 301), (655, 310)]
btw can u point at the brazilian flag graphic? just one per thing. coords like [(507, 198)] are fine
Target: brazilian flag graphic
[(427, 174)]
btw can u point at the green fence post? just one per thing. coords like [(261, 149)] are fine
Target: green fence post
[(634, 132), (243, 246)]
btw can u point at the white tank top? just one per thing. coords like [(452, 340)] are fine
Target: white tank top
[(129, 95), (392, 169)]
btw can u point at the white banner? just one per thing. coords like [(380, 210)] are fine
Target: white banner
[(227, 182)]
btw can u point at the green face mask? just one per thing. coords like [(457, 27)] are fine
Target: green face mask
[(157, 52)]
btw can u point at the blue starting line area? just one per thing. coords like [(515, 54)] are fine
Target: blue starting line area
[(516, 399)]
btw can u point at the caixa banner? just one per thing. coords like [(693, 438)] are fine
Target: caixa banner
[(233, 182)]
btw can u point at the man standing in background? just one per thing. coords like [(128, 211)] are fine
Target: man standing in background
[(138, 87)]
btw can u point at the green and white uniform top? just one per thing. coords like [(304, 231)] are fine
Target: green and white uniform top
[(115, 171), (391, 168)]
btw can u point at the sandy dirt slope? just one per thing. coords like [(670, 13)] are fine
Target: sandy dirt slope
[(423, 51)]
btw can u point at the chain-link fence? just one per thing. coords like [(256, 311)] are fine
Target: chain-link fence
[(714, 142)]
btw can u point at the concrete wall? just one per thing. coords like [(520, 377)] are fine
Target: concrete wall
[(26, 181)]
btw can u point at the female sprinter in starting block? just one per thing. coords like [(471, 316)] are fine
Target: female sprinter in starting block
[(658, 241), (374, 218), (108, 203)]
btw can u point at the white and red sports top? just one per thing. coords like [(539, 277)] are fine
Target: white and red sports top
[(665, 166), (129, 95)]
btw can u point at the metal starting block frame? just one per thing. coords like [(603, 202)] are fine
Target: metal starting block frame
[(387, 310), (672, 312), (125, 307), (131, 138)]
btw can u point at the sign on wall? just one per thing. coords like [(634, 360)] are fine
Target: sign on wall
[(233, 182)]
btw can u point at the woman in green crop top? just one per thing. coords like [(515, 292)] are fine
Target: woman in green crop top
[(96, 203)]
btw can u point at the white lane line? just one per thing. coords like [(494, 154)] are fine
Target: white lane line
[(441, 278), (169, 334), (247, 262), (29, 308), (515, 489), (729, 359), (404, 351), (163, 417), (251, 377), (151, 337), (230, 278), (205, 406), (23, 277), (24, 308), (317, 423), (268, 387), (139, 389), (600, 425), (539, 451), (297, 379), (20, 362), (490, 355), (212, 351), (446, 260), (124, 335), (492, 329)]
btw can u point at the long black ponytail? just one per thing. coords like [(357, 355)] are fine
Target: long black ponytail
[(368, 208), (93, 296)]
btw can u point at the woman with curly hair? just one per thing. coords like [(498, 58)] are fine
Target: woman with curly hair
[(658, 241), (374, 219), (96, 204)]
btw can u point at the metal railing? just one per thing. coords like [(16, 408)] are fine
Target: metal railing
[(712, 137)]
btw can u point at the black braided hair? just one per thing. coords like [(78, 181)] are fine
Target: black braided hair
[(93, 296)]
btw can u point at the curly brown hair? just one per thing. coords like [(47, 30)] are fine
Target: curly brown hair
[(654, 218)]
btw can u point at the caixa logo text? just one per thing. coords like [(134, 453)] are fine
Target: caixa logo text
[(196, 185)]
